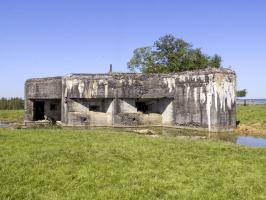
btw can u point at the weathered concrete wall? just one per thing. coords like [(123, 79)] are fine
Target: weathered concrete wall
[(207, 100), (204, 98), (44, 88), (81, 112), (127, 106), (41, 89)]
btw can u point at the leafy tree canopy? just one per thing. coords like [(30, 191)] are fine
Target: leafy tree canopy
[(241, 93), (170, 54)]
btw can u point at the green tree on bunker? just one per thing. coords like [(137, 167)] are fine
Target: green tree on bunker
[(171, 54)]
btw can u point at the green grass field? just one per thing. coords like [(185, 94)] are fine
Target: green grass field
[(252, 115), (113, 164), (12, 115)]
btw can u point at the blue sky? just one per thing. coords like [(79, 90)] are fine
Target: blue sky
[(56, 37)]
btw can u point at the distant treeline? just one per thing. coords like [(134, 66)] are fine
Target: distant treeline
[(11, 103)]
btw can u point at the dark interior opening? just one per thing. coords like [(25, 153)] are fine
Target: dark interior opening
[(152, 105), (142, 107), (94, 108), (53, 107), (38, 110), (83, 119)]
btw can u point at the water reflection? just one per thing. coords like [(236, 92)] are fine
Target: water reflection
[(228, 137), (251, 141), (3, 125)]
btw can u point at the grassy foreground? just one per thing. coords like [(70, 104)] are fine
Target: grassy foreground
[(112, 164), (12, 116)]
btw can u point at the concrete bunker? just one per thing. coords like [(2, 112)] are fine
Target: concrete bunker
[(199, 99)]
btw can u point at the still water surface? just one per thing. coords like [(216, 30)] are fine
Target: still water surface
[(3, 125), (251, 141)]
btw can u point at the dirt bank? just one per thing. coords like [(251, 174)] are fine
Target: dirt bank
[(248, 130)]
